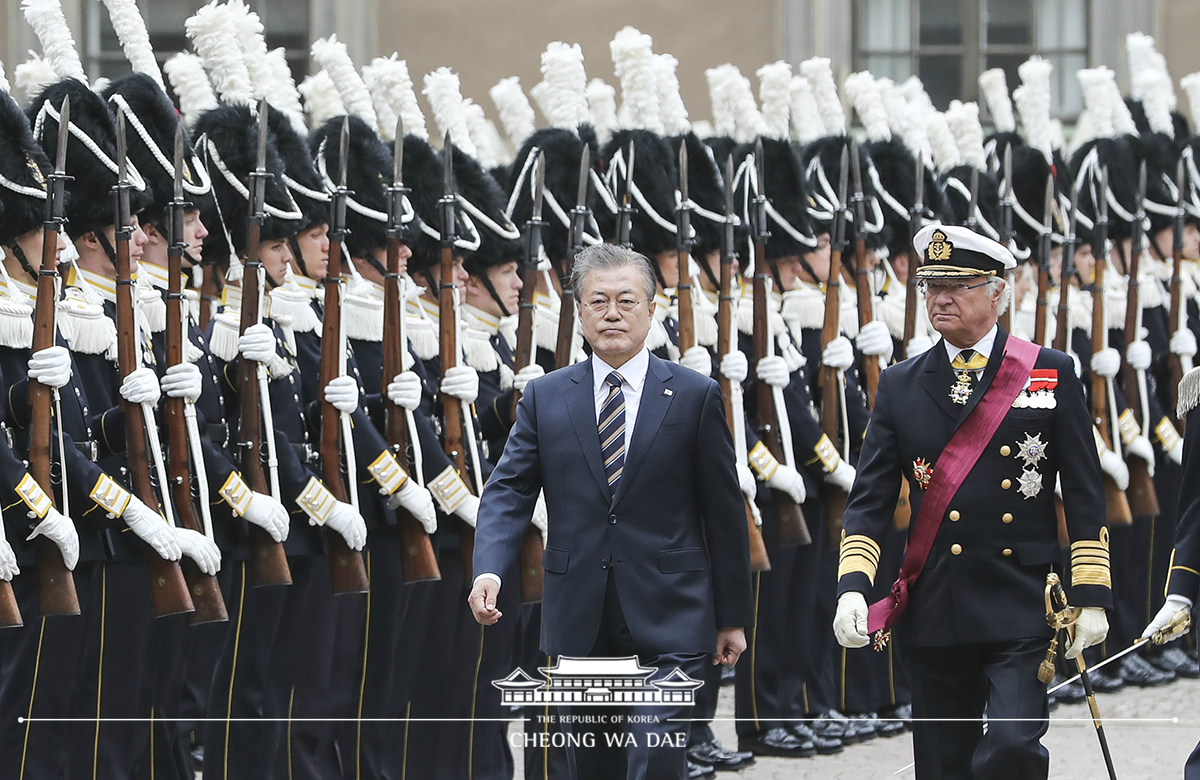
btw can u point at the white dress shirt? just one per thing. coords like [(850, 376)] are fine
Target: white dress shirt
[(633, 379), (983, 347)]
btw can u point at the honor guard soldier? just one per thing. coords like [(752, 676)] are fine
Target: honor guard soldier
[(980, 426)]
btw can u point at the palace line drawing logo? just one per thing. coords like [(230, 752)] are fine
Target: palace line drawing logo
[(598, 681)]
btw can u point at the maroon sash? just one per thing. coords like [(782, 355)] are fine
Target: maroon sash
[(953, 466)]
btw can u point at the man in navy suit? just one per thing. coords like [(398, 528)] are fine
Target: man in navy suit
[(647, 552)]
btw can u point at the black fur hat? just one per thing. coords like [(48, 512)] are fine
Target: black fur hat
[(422, 170), (25, 165), (1030, 170), (897, 170), (722, 146), (1162, 155), (92, 205), (368, 175), (656, 176), (787, 191), (307, 188), (149, 109), (227, 141), (562, 149), (499, 241), (822, 168), (1121, 155), (956, 186), (706, 188)]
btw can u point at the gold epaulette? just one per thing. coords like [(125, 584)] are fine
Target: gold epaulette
[(236, 493), (29, 491), (1130, 429), (858, 553), (762, 461), (1090, 562), (110, 496), (827, 453), (387, 472), (448, 489), (316, 501), (1167, 435)]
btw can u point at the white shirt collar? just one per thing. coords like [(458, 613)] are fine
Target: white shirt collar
[(983, 346), (633, 371)]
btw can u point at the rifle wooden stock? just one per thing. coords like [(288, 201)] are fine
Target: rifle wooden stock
[(683, 293), (168, 589), (1143, 499), (865, 314), (1043, 304), (789, 518), (205, 591), (452, 408), (209, 292), (835, 498), (1176, 320), (420, 561), (347, 571), (1061, 329), (268, 561), (56, 585), (566, 321), (532, 548), (1116, 503)]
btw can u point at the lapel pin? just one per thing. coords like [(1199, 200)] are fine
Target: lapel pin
[(668, 392)]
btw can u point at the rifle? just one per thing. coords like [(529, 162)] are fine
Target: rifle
[(210, 292), (268, 561), (625, 211), (1062, 333), (532, 573), (862, 283), (205, 590), (683, 232), (348, 573), (1006, 234), (735, 413), (565, 344), (452, 408), (420, 561), (833, 382), (1177, 316), (56, 584), (903, 514), (1043, 283), (168, 590), (772, 415), (1143, 499), (1115, 500)]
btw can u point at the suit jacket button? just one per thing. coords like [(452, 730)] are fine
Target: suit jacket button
[(956, 549), (612, 519), (1006, 552), (1007, 517), (1005, 450), (604, 564), (954, 515), (1006, 484)]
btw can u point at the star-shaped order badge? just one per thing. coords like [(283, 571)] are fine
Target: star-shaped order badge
[(1031, 450), (922, 473), (1030, 483)]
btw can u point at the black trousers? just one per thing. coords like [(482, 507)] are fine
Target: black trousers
[(951, 686)]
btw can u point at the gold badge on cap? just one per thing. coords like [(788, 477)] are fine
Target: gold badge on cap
[(939, 248)]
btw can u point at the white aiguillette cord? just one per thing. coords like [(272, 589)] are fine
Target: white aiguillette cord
[(344, 417), (409, 421), (264, 401), (468, 415)]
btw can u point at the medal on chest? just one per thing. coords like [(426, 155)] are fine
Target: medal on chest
[(960, 391)]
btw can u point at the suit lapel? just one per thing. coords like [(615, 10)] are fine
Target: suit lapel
[(937, 379), (581, 405), (651, 410)]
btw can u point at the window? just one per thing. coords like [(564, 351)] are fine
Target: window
[(948, 43)]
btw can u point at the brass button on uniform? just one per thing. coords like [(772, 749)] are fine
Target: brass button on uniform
[(1006, 552), (1005, 450), (956, 548), (1006, 484), (1007, 517), (954, 515)]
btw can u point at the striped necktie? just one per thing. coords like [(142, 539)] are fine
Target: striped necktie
[(612, 430)]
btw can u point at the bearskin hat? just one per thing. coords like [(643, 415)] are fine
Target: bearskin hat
[(706, 188), (499, 240), (786, 189), (422, 170), (656, 177), (368, 175), (1121, 156), (956, 187), (23, 170), (562, 149)]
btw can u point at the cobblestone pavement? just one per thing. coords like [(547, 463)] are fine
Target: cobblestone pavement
[(1151, 731)]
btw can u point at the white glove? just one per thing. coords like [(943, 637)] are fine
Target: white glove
[(793, 356), (1138, 355), (1112, 465), (850, 622), (468, 509), (59, 529), (405, 390), (51, 366), (8, 561), (540, 517), (1167, 611), (527, 375), (257, 343), (1176, 452), (182, 381), (1140, 447), (419, 503), (735, 367), (918, 346), (697, 359), (1183, 343), (346, 520), (462, 382), (838, 354), (789, 481), (842, 476), (747, 482), (268, 514), (150, 526), (1106, 362), (875, 339), (342, 392), (200, 549), (141, 387), (773, 370), (1090, 629)]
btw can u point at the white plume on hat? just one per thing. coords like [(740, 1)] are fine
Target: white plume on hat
[(820, 77), (718, 78), (513, 107), (1191, 87), (444, 94), (58, 46), (1122, 118), (384, 112), (941, 140), (390, 84), (186, 73), (4, 85), (565, 103), (602, 108), (805, 118), (863, 92), (670, 103), (1097, 100), (213, 33), (322, 101), (285, 96), (901, 119), (914, 92), (994, 87), (963, 121), (540, 92), (331, 55), (1150, 82), (488, 145), (131, 31), (1033, 104), (1141, 51), (633, 62), (270, 76), (775, 97), (748, 120), (1156, 88), (33, 75)]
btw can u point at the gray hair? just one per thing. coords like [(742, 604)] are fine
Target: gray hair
[(602, 256), (1005, 292)]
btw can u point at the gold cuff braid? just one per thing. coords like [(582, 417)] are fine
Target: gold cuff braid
[(858, 553)]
